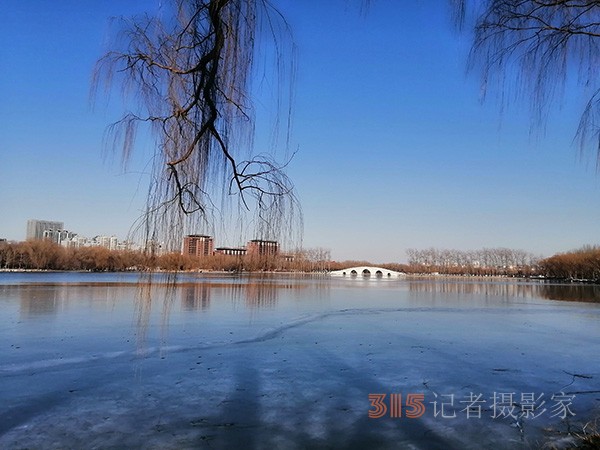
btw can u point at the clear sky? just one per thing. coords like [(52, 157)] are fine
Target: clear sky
[(395, 148)]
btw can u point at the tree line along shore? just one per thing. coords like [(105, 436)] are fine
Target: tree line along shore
[(580, 265)]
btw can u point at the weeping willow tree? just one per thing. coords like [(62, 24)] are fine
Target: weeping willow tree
[(188, 71), (531, 48)]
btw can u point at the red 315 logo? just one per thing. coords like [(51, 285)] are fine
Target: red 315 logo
[(413, 407)]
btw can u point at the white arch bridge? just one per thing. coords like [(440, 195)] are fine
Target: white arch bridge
[(366, 271)]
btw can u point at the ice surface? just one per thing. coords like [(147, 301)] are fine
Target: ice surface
[(108, 361)]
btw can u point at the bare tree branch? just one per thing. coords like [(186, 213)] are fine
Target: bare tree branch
[(190, 73), (538, 44)]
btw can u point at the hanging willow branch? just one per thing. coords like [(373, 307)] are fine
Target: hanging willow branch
[(191, 75), (537, 44)]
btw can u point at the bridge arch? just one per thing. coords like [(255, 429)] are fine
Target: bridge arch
[(367, 271)]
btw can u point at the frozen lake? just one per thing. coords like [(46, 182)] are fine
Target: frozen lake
[(112, 361)]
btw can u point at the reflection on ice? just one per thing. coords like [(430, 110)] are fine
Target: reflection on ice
[(506, 288)]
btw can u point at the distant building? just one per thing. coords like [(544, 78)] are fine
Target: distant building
[(36, 228), (75, 242), (58, 236), (109, 242), (72, 240), (155, 247), (127, 245), (197, 245), (235, 251), (257, 247)]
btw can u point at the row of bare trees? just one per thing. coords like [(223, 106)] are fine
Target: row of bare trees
[(581, 264), (46, 255), (486, 261)]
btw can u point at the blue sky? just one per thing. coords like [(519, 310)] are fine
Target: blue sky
[(395, 148)]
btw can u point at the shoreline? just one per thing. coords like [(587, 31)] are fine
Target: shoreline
[(536, 278)]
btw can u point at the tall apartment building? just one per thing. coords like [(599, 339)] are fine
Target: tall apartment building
[(36, 228), (258, 247), (197, 245)]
